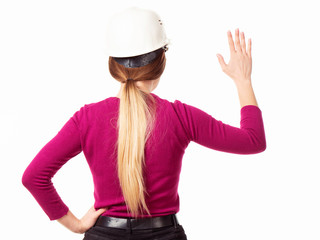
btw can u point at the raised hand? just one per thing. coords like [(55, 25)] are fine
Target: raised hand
[(240, 64)]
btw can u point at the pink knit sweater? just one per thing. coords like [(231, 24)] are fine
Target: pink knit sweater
[(91, 130)]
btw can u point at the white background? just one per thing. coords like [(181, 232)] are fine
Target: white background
[(53, 62)]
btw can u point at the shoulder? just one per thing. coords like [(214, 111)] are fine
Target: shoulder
[(101, 104), (166, 101), (93, 108), (179, 107)]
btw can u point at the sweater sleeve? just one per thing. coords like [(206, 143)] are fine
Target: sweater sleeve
[(207, 131), (37, 176)]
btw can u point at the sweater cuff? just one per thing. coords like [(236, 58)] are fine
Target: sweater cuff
[(250, 108), (58, 213)]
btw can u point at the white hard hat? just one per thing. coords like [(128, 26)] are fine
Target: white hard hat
[(135, 31)]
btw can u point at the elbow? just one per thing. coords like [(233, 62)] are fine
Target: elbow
[(256, 147), (257, 142), (264, 146), (29, 179), (261, 147), (34, 180), (26, 180)]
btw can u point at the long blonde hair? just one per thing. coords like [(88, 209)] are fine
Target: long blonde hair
[(135, 123)]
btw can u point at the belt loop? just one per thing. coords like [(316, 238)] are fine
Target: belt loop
[(129, 226), (174, 221)]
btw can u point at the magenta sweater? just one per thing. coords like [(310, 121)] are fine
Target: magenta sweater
[(92, 130)]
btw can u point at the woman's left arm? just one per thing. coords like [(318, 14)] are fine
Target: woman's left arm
[(37, 176)]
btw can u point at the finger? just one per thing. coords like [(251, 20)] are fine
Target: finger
[(231, 43), (249, 47), (238, 47), (100, 211), (243, 42), (222, 62)]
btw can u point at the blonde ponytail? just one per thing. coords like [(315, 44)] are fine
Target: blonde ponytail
[(137, 111)]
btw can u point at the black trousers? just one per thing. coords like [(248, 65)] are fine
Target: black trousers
[(175, 232)]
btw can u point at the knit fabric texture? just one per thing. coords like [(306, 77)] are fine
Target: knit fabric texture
[(92, 130)]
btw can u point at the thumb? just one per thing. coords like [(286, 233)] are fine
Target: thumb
[(221, 61)]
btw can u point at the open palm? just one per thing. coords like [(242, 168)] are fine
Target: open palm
[(239, 67)]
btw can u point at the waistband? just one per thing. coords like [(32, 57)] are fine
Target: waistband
[(138, 223)]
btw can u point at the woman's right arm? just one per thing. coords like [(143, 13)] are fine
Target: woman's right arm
[(205, 130)]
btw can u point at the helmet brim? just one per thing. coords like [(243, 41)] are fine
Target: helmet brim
[(140, 60)]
